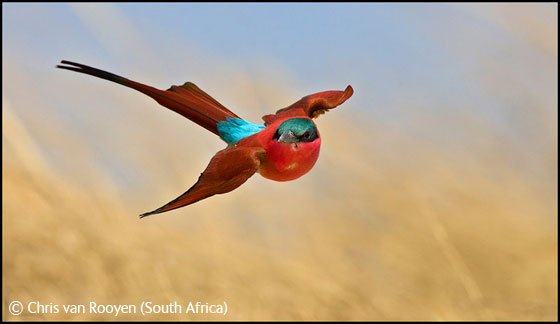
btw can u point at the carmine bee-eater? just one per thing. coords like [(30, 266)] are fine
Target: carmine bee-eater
[(284, 149)]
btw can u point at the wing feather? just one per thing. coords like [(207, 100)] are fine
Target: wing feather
[(227, 170), (313, 105), (187, 100)]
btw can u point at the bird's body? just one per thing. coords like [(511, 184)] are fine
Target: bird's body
[(284, 149)]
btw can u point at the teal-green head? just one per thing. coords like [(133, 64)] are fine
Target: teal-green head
[(296, 130)]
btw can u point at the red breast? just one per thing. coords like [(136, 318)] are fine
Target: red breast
[(283, 161)]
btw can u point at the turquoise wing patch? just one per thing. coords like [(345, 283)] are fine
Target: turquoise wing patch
[(232, 130)]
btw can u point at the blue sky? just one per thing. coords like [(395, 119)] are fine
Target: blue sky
[(387, 48)]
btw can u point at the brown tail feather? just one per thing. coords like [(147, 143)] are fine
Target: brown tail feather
[(187, 100)]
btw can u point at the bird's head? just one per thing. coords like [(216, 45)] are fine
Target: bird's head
[(296, 130)]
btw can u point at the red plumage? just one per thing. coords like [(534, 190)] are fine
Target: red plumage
[(260, 152)]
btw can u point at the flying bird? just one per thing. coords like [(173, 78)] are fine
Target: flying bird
[(284, 149)]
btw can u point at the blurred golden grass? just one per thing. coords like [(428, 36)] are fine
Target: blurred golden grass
[(368, 235)]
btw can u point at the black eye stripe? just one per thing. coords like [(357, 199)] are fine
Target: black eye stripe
[(309, 136)]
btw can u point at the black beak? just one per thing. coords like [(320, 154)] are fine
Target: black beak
[(288, 137)]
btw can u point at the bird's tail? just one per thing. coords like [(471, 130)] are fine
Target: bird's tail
[(187, 99)]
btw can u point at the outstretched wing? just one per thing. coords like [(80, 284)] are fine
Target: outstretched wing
[(312, 106), (187, 100), (227, 170)]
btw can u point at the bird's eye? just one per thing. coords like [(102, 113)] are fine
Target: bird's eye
[(306, 134)]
